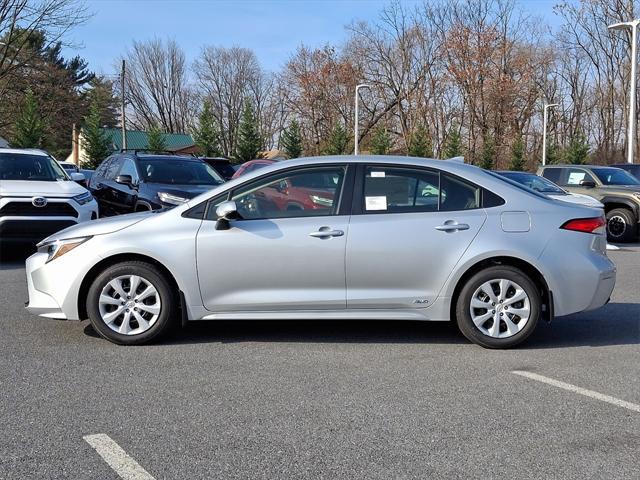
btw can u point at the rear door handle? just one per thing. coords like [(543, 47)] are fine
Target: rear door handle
[(326, 232), (452, 227)]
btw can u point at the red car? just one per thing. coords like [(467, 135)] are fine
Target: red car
[(251, 166)]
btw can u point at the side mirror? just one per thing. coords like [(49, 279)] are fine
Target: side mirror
[(78, 177), (587, 183), (125, 180), (226, 211)]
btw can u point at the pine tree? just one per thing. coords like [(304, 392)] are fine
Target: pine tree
[(96, 143), (420, 143), (206, 134), (249, 141), (380, 141), (291, 140), (487, 156), (518, 161), (577, 152), (156, 142), (338, 141), (553, 154), (452, 144), (29, 126)]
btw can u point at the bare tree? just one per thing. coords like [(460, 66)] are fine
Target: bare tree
[(157, 88)]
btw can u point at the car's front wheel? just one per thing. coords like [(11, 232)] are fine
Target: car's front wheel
[(498, 307), (131, 303)]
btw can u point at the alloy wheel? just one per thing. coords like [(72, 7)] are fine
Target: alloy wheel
[(616, 226), (129, 304), (500, 308)]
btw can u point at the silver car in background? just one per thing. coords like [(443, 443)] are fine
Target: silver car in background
[(367, 237)]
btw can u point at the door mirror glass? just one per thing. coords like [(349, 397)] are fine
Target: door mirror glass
[(587, 183), (78, 177), (124, 180)]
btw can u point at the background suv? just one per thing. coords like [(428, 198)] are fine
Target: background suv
[(38, 198), (632, 168), (618, 190), (133, 182)]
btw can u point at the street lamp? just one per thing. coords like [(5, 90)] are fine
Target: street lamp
[(357, 119), (632, 94), (546, 107)]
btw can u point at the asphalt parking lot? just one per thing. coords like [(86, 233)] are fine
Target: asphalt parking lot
[(322, 399)]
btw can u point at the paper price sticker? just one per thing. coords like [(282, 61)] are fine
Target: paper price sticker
[(375, 203)]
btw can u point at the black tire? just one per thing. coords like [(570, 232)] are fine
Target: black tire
[(166, 318), (463, 307), (143, 207), (621, 225)]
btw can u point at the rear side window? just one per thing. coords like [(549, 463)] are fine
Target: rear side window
[(553, 174), (399, 190)]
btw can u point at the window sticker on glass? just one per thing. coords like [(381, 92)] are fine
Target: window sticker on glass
[(575, 178), (376, 203), (377, 174)]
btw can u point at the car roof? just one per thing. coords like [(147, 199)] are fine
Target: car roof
[(571, 165), (160, 156), (24, 151), (515, 171)]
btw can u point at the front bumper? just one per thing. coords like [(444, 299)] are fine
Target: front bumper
[(40, 303)]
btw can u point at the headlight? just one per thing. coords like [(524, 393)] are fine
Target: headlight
[(57, 248), (171, 199), (83, 198), (325, 202)]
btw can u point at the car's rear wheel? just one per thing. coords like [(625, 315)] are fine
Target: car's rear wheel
[(621, 225), (498, 307), (131, 303)]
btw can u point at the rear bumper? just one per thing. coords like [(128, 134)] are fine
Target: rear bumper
[(604, 290)]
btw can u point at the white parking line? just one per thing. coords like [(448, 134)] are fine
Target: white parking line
[(125, 466), (579, 390)]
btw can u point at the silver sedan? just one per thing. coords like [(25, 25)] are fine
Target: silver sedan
[(334, 238)]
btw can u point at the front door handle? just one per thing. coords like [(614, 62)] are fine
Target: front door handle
[(450, 226), (326, 232)]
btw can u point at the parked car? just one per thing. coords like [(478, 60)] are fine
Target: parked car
[(618, 190), (70, 167), (632, 168), (223, 166), (550, 189), (396, 238), (133, 182), (252, 166), (38, 198)]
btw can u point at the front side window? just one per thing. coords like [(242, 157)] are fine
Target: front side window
[(30, 167), (111, 172), (577, 175), (129, 168), (301, 193)]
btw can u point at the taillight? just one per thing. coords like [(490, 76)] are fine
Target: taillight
[(585, 225)]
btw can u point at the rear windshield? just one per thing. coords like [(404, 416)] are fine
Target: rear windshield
[(615, 176), (516, 184), (178, 172), (539, 184), (14, 166), (223, 168)]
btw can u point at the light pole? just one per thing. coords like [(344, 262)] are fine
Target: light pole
[(546, 107), (357, 119), (632, 94), (122, 107)]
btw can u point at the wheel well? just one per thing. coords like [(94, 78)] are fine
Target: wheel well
[(530, 270), (106, 263), (143, 207)]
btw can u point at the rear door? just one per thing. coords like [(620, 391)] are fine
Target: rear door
[(409, 229)]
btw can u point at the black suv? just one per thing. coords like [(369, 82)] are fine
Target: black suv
[(221, 165), (632, 168), (132, 181)]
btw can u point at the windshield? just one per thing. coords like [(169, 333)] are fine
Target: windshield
[(178, 171), (539, 184), (615, 176), (18, 166)]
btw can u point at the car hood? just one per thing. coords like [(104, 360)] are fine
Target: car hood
[(62, 188), (578, 199), (101, 226), (184, 191)]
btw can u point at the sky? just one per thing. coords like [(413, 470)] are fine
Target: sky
[(272, 28)]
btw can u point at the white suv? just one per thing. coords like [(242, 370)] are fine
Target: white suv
[(38, 198)]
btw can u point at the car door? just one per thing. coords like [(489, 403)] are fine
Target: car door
[(98, 188), (277, 257), (573, 177), (409, 228), (125, 197)]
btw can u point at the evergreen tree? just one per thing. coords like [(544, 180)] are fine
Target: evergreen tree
[(553, 154), (29, 126), (452, 144), (380, 141), (291, 140), (156, 142), (487, 156), (338, 141), (518, 161), (249, 141), (96, 143), (577, 152), (420, 143), (206, 134)]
